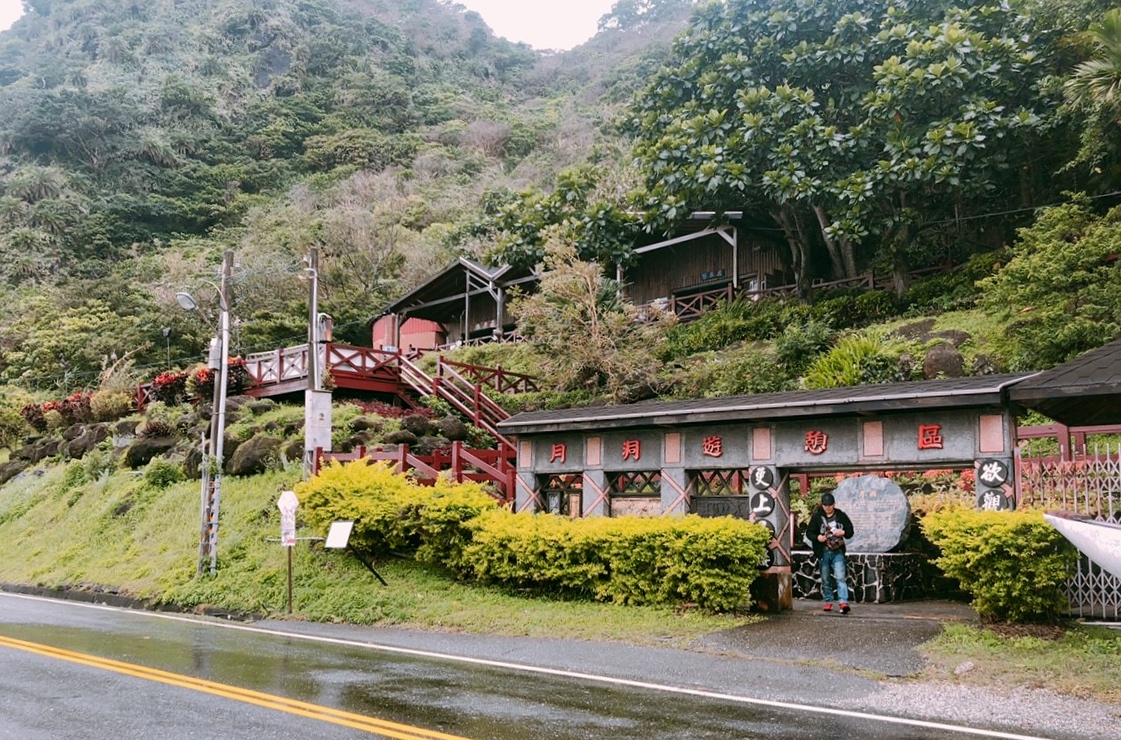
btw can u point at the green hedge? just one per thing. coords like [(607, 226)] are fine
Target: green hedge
[(625, 560), (1011, 563), (390, 511)]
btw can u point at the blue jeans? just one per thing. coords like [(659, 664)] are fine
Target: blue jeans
[(833, 562)]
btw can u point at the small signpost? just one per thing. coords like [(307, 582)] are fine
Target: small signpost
[(338, 538), (288, 503)]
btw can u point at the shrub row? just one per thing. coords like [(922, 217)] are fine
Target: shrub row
[(626, 560), (1012, 563)]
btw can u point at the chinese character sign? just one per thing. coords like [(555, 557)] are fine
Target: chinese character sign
[(713, 446), (560, 452), (632, 449), (930, 436), (992, 473), (816, 442), (762, 478)]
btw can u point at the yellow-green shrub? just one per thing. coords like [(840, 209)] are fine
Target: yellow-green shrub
[(443, 517), (1012, 563), (626, 560), (391, 512), (110, 405), (374, 497)]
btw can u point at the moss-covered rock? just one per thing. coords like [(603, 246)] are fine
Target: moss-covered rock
[(257, 455)]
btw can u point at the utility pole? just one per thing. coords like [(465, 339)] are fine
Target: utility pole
[(313, 321), (317, 402), (212, 464)]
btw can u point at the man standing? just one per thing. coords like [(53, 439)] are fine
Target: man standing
[(829, 528)]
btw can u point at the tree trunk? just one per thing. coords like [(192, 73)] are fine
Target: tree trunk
[(900, 271), (791, 223), (830, 245), (848, 257)]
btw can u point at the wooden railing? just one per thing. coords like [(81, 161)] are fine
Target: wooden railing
[(465, 396), (494, 378), (277, 366), (1072, 442), (692, 306), (496, 467)]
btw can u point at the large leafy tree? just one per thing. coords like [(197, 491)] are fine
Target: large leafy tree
[(589, 203), (854, 125)]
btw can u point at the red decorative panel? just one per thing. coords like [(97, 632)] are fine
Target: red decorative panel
[(873, 439), (761, 444), (992, 433)]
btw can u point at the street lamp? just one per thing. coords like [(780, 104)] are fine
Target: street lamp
[(212, 466)]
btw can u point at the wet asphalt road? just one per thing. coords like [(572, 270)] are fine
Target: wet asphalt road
[(485, 687)]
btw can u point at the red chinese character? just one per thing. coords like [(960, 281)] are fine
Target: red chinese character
[(713, 446), (930, 436), (816, 442), (559, 453), (632, 448)]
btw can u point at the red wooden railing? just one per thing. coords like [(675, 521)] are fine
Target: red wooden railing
[(459, 384), (494, 378), (496, 467)]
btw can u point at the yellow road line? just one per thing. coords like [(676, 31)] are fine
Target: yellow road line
[(377, 726)]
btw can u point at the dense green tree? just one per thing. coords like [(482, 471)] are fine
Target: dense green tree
[(1061, 290), (585, 201), (853, 125)]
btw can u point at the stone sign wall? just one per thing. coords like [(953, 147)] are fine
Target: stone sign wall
[(879, 512)]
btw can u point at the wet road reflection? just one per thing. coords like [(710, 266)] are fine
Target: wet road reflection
[(453, 697)]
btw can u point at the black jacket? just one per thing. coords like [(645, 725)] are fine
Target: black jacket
[(813, 529)]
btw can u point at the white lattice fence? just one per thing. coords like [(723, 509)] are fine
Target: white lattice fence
[(1090, 484)]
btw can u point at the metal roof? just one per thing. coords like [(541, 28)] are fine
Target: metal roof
[(1085, 391), (981, 391), (440, 298)]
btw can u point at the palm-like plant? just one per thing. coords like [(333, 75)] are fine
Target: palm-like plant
[(1097, 82)]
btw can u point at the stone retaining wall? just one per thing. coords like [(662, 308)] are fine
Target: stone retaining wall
[(873, 578)]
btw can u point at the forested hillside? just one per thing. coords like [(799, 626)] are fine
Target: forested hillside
[(138, 141)]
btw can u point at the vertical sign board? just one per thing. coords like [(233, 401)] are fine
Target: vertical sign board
[(317, 425), (288, 503)]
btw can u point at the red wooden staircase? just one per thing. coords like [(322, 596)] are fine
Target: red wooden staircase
[(464, 387)]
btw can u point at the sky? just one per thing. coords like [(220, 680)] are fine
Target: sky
[(10, 10), (543, 24)]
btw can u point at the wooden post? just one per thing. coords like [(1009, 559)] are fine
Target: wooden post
[(289, 579)]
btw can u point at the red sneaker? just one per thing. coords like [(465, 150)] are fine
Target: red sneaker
[(844, 608), (827, 608)]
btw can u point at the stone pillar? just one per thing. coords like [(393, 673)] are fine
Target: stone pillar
[(770, 504)]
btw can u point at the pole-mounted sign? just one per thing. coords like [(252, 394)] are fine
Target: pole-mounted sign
[(288, 503)]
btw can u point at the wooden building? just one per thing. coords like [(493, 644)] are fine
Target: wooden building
[(697, 267), (702, 260), (467, 299)]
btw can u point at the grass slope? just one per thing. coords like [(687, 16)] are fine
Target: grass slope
[(120, 534)]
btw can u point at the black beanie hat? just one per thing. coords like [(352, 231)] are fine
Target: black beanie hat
[(826, 499)]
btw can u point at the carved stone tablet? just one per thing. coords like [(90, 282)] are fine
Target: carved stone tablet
[(879, 511)]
